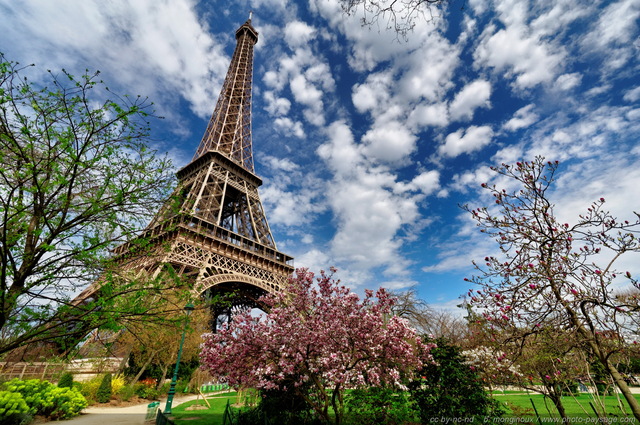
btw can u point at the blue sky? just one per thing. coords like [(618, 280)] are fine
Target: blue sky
[(367, 146)]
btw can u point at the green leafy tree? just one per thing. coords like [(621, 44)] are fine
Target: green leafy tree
[(77, 178), (104, 390), (66, 380), (449, 387)]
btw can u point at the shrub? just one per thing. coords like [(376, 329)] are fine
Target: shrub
[(90, 388), (63, 403), (103, 395), (450, 388), (13, 409), (44, 398), (66, 380), (377, 405), (117, 383), (282, 407), (126, 392), (144, 391), (33, 391)]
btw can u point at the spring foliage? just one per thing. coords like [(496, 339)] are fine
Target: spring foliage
[(103, 395), (13, 408), (318, 338), (45, 399), (76, 179)]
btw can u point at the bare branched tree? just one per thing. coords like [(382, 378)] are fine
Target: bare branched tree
[(396, 15)]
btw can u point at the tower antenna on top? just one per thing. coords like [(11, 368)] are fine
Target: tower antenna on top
[(250, 14)]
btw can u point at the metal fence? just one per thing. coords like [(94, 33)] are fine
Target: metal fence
[(82, 369), (162, 419), (39, 370)]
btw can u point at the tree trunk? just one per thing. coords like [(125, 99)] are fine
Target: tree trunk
[(611, 369), (624, 388), (144, 366), (164, 368), (125, 360), (555, 394)]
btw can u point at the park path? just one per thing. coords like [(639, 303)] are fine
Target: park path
[(130, 415)]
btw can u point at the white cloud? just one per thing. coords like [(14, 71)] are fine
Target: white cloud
[(314, 260), (389, 143), (472, 96), (427, 182), (340, 153), (523, 118), (373, 93), (611, 38), (289, 127), (426, 115), (298, 33), (369, 205), (281, 164), (616, 25), (568, 81), (160, 40), (519, 54), (465, 141), (305, 73), (276, 106), (471, 179), (632, 95), (427, 72)]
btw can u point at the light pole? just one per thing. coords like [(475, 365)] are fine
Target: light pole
[(172, 389)]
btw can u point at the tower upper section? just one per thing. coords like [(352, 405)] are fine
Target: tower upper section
[(229, 129)]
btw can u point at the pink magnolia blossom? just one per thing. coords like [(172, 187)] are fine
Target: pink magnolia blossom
[(317, 334)]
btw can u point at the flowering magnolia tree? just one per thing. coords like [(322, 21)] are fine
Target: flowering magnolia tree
[(551, 274), (551, 363), (317, 339), (492, 366)]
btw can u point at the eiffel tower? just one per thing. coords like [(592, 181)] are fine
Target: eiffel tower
[(213, 230)]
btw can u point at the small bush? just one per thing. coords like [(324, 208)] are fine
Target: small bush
[(450, 388), (63, 403), (89, 388), (33, 391), (66, 380), (379, 406), (103, 395), (44, 398), (13, 409), (126, 392), (117, 383), (144, 391)]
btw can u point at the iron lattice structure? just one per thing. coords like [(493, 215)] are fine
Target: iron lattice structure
[(213, 230)]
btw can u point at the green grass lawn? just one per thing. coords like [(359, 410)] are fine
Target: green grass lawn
[(518, 405), (210, 416)]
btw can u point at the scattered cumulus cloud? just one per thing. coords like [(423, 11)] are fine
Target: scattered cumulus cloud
[(474, 95), (519, 54), (632, 95), (298, 33), (463, 141), (391, 143), (567, 82), (523, 118)]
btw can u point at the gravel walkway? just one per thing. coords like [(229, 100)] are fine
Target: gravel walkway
[(130, 415)]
